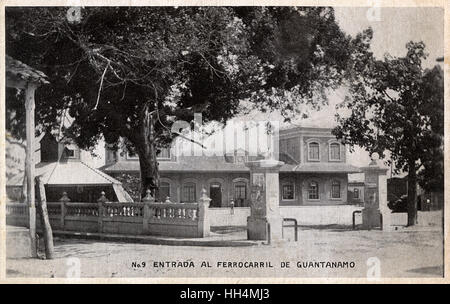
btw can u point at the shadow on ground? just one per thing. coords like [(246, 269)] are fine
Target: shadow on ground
[(434, 270)]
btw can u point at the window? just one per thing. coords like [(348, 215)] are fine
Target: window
[(313, 151), (164, 153), (335, 151), (240, 194), (240, 191), (356, 193), (70, 153), (164, 191), (132, 155), (313, 191), (288, 191), (335, 189), (189, 193), (109, 155)]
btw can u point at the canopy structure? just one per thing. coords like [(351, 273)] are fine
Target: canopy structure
[(19, 75), (22, 76), (77, 176)]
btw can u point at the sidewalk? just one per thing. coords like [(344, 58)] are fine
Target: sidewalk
[(219, 237)]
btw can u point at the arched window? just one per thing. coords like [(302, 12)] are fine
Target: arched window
[(356, 193), (288, 191), (313, 190), (335, 151), (313, 151), (189, 190), (335, 189), (164, 191)]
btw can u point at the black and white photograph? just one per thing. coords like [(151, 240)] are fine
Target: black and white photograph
[(232, 141)]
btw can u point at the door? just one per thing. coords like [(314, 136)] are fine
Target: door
[(215, 194)]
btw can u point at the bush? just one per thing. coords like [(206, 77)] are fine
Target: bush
[(399, 205)]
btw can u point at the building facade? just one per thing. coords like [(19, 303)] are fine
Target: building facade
[(315, 172)]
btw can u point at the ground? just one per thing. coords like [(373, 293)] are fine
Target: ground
[(408, 252)]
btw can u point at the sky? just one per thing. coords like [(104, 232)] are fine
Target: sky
[(397, 26)]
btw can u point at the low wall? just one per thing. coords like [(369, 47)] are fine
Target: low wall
[(320, 215), (424, 218), (305, 215), (227, 217), (164, 219)]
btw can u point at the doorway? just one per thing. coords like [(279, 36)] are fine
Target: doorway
[(215, 194)]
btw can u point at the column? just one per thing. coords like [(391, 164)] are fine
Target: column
[(265, 220), (375, 196)]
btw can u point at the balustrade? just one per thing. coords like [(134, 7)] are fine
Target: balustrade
[(146, 213)]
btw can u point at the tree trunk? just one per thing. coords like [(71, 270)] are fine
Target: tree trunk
[(145, 148), (23, 195), (45, 222), (412, 193)]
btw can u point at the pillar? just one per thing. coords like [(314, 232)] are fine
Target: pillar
[(265, 221), (29, 165), (375, 196)]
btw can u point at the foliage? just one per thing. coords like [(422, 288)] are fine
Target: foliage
[(202, 59), (397, 106), (130, 72), (130, 183)]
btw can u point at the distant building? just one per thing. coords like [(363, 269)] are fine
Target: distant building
[(398, 187), (62, 168), (315, 172)]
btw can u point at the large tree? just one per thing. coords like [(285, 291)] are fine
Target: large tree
[(130, 72), (431, 174), (396, 105)]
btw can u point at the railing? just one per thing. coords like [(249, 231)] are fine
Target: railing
[(145, 218), (293, 225), (16, 209), (353, 218)]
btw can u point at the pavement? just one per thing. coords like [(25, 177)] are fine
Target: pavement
[(402, 253), (223, 237)]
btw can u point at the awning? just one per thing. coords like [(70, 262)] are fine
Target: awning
[(74, 173)]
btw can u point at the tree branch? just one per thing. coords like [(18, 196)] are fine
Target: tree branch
[(101, 84)]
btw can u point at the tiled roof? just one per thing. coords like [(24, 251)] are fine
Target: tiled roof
[(217, 164), (16, 69), (67, 173)]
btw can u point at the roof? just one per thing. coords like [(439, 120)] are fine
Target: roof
[(185, 164), (66, 173), (217, 164), (18, 70), (326, 168)]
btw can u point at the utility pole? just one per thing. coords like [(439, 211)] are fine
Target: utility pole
[(29, 164)]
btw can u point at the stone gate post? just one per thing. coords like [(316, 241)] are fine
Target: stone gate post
[(375, 196), (203, 215), (265, 219), (147, 200)]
